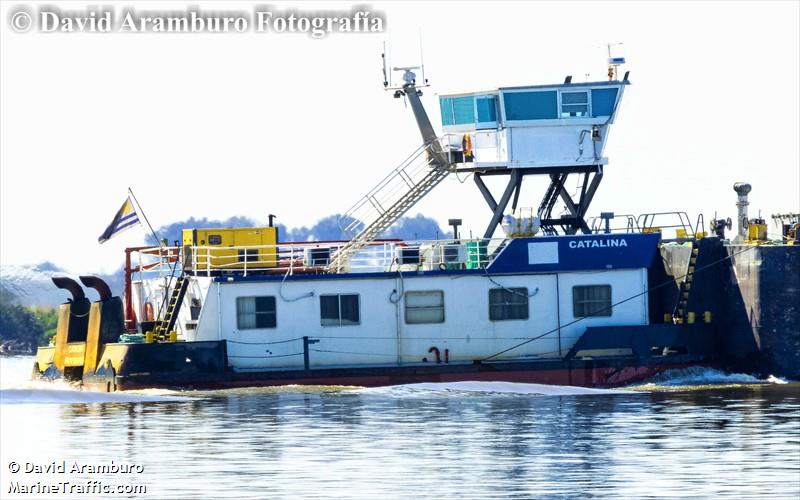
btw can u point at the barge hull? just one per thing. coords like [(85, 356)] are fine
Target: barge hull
[(587, 373)]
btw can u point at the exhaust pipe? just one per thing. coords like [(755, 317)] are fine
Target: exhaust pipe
[(100, 286), (71, 286), (742, 190)]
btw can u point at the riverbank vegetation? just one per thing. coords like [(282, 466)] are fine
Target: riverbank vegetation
[(22, 328)]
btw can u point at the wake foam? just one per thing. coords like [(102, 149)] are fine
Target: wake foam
[(62, 396), (700, 376), (477, 388), (16, 387)]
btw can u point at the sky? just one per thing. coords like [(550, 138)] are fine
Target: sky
[(216, 125)]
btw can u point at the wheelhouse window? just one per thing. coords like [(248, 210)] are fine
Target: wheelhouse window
[(531, 105), (508, 303), (214, 239), (339, 310), (486, 111), (574, 104), (604, 101), (591, 300), (457, 110), (425, 307), (255, 312)]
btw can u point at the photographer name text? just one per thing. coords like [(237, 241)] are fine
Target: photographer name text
[(316, 24)]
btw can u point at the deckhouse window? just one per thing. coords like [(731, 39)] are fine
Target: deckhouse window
[(531, 105), (339, 310), (425, 307), (574, 104), (591, 300), (508, 303), (603, 101), (255, 312), (457, 110), (486, 111)]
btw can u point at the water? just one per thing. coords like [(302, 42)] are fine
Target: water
[(695, 433)]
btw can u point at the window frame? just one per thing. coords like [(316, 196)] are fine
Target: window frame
[(425, 308), (510, 100), (339, 309), (598, 97), (448, 105), (493, 104), (521, 292), (256, 313), (604, 312), (588, 104)]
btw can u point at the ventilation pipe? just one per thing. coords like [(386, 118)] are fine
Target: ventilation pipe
[(742, 190)]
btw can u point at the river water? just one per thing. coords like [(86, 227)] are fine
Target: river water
[(693, 433)]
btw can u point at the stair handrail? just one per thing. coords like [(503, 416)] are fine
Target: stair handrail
[(399, 170), (700, 225), (169, 280)]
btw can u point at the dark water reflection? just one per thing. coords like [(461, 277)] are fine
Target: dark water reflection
[(734, 442)]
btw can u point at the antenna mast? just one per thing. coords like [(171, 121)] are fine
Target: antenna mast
[(387, 76), (614, 62), (421, 61)]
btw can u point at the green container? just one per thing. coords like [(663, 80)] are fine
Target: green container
[(476, 254), (131, 338)]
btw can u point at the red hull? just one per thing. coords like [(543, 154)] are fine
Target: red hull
[(586, 377)]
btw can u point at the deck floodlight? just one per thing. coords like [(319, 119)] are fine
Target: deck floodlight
[(455, 223)]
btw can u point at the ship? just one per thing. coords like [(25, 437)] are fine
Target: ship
[(539, 297)]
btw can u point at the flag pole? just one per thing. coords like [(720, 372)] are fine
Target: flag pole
[(139, 207)]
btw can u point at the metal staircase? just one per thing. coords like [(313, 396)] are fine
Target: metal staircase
[(167, 322), (405, 185), (680, 314)]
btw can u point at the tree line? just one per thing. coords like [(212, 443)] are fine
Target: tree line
[(23, 328)]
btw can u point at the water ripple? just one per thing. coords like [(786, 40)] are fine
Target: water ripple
[(740, 440)]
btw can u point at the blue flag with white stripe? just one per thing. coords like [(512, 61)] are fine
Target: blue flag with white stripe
[(126, 217)]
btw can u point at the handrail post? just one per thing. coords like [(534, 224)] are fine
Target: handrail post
[(306, 343), (130, 317), (306, 363)]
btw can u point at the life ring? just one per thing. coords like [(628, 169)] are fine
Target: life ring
[(148, 311), (466, 146)]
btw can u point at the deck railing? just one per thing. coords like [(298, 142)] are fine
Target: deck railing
[(313, 258), (679, 222)]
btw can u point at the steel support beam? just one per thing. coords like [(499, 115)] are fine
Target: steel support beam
[(577, 209), (487, 195), (500, 207), (528, 170), (598, 176), (517, 189)]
